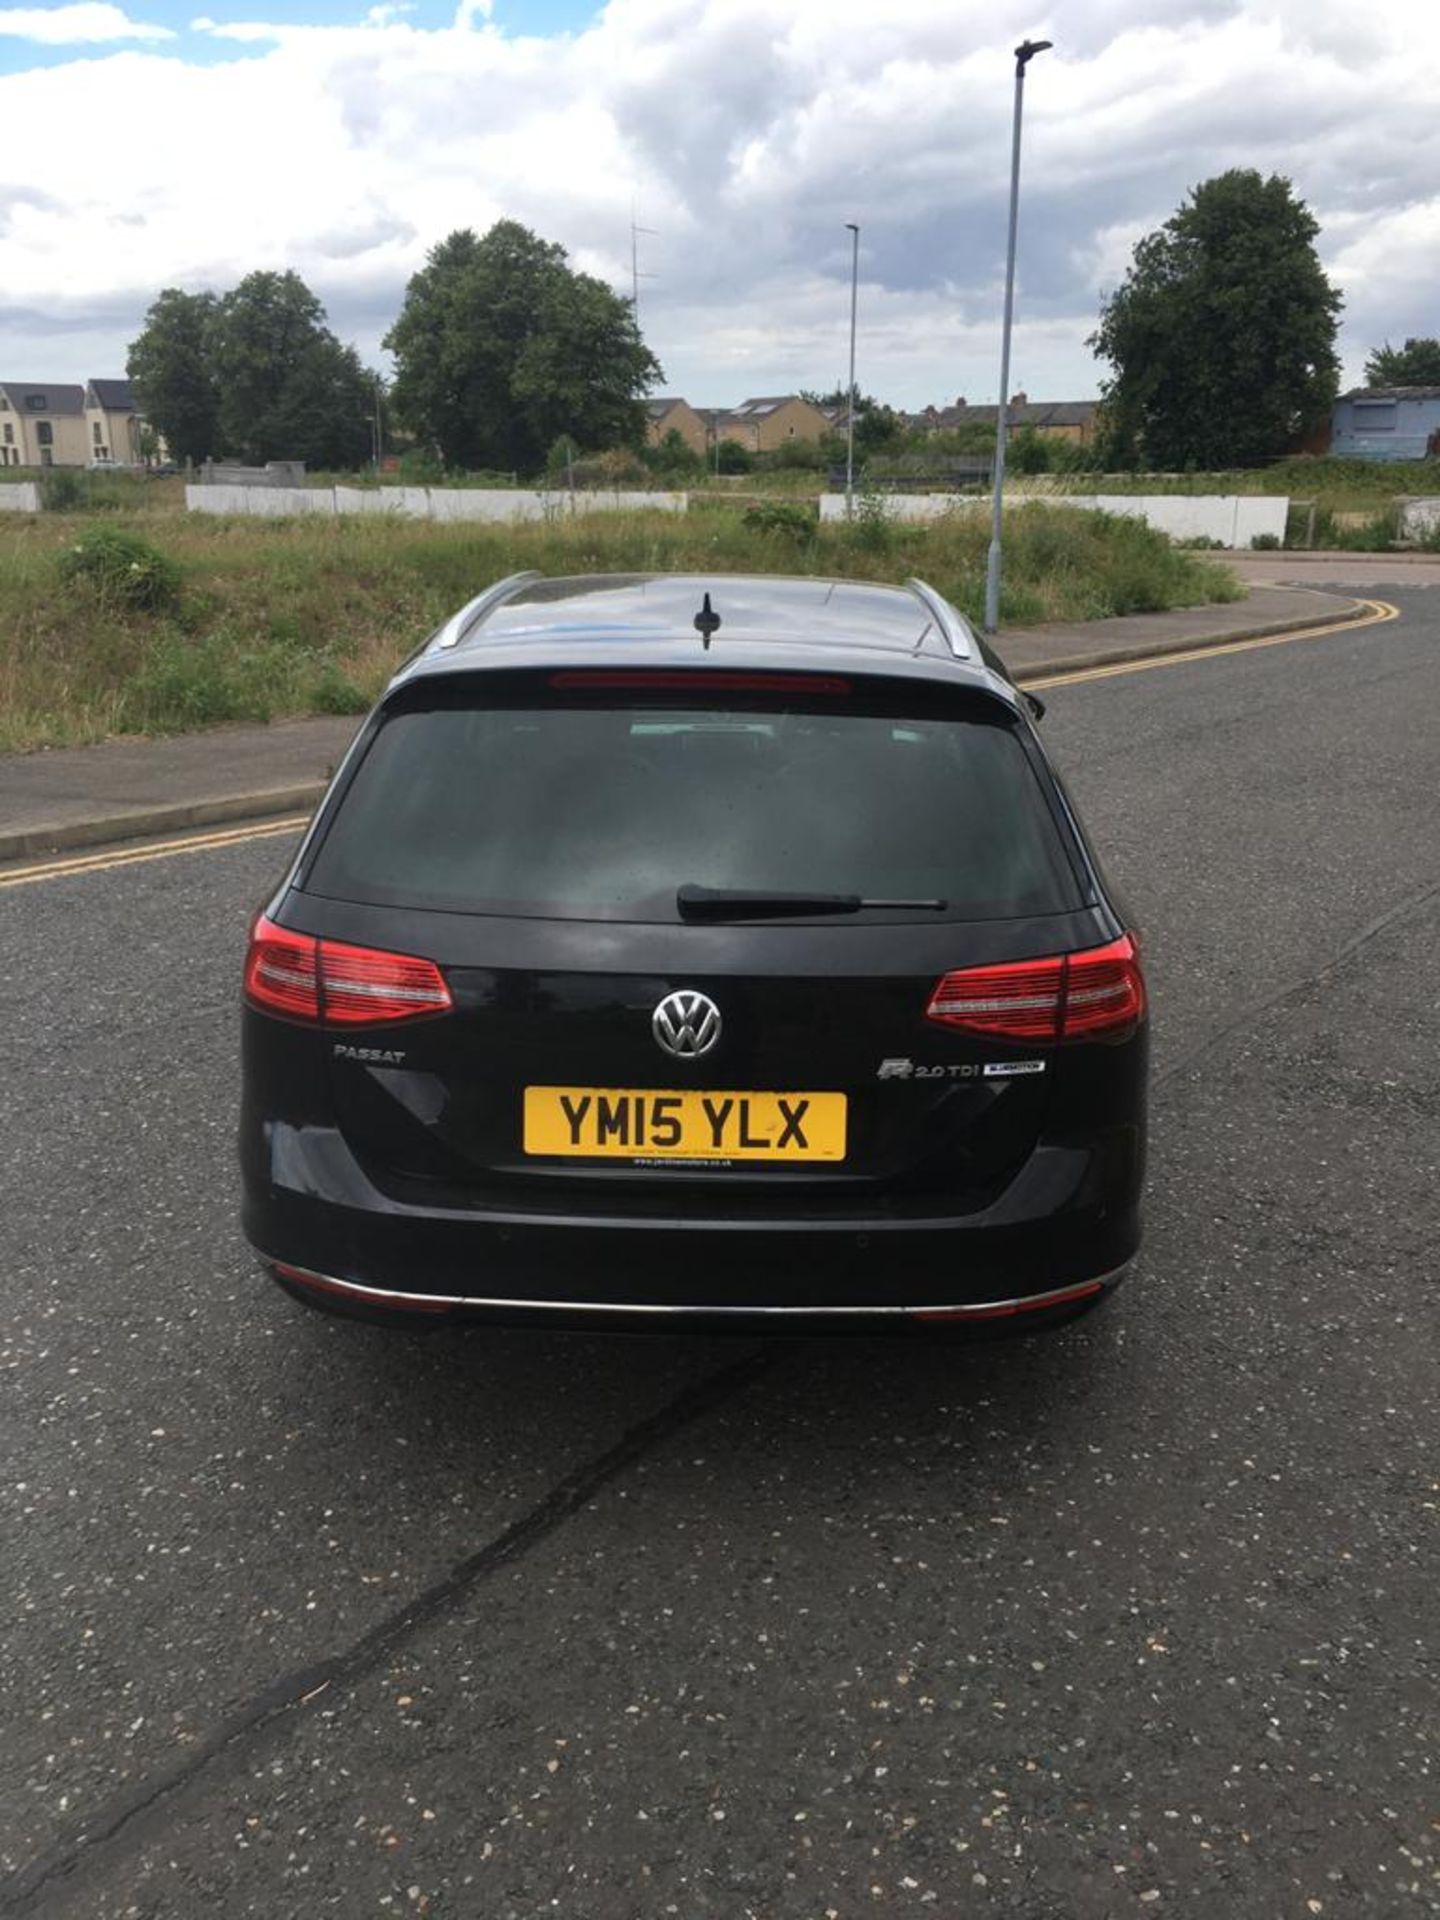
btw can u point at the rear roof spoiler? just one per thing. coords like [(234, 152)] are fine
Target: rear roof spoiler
[(953, 627), (459, 625)]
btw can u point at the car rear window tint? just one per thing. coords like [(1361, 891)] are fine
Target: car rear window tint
[(592, 811)]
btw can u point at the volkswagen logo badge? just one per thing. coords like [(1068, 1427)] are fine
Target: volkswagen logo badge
[(686, 1024)]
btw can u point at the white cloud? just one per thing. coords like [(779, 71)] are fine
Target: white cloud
[(86, 22), (746, 132)]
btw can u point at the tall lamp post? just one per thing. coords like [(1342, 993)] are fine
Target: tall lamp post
[(854, 232), (1024, 54)]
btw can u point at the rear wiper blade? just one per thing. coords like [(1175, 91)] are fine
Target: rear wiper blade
[(738, 902)]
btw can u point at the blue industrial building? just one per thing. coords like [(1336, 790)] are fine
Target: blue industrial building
[(1387, 423)]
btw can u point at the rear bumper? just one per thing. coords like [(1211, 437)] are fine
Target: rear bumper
[(378, 1303), (1059, 1234)]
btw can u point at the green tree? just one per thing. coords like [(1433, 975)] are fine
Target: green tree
[(1416, 364), (878, 428), (500, 347), (170, 365), (288, 389), (674, 458), (1222, 334), (1030, 452), (733, 456)]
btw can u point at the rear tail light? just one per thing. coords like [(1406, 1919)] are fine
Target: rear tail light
[(358, 985), (333, 984), (1075, 996), (282, 971)]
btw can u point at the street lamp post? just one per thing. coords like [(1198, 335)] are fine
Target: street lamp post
[(850, 392), (1024, 54)]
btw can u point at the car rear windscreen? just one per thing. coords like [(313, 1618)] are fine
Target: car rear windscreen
[(602, 810)]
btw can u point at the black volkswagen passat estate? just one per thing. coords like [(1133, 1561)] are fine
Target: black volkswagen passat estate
[(705, 950)]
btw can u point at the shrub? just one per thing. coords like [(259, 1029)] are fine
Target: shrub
[(123, 569), (560, 459), (872, 529), (794, 519), (674, 458), (1378, 533), (62, 490), (732, 457), (795, 456), (1029, 452), (1265, 542)]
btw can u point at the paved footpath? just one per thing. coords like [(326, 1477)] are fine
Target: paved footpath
[(126, 789)]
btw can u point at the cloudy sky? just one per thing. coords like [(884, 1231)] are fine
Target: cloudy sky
[(144, 145)]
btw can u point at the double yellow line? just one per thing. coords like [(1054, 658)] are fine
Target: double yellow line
[(1376, 613), (102, 861)]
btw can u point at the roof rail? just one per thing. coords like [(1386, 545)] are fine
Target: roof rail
[(952, 626), (459, 625)]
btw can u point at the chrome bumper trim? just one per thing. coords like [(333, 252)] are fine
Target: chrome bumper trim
[(450, 1302)]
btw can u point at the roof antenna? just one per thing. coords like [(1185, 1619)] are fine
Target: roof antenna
[(707, 622)]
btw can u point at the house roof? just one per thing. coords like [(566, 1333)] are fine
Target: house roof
[(1025, 413), (116, 396), (767, 403), (52, 398), (1392, 393)]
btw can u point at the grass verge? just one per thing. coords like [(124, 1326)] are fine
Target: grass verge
[(270, 619)]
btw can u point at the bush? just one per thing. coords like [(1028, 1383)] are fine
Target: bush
[(560, 460), (123, 569), (1265, 542), (1029, 452), (795, 519), (674, 458), (1378, 533), (872, 530), (795, 456), (732, 457), (62, 490)]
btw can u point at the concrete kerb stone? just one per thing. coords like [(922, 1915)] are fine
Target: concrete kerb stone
[(144, 823), (1232, 636)]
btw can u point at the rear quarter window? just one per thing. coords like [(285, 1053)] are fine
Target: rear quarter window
[(581, 808)]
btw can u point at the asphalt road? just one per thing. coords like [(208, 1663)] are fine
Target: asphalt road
[(300, 1618)]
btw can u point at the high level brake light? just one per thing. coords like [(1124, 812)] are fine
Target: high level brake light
[(332, 984), (694, 680), (1097, 995)]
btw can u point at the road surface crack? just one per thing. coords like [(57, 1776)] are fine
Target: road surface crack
[(120, 1821)]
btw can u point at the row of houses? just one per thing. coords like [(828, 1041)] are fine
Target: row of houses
[(47, 425), (762, 425), (766, 424)]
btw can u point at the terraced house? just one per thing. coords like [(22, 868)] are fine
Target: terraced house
[(45, 424)]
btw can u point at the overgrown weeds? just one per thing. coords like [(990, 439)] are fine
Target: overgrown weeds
[(121, 569), (255, 620)]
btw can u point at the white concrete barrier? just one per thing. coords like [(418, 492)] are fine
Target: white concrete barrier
[(1232, 519), (1419, 518), (21, 497), (492, 504)]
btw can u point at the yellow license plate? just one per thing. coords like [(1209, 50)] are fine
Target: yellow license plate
[(620, 1123)]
